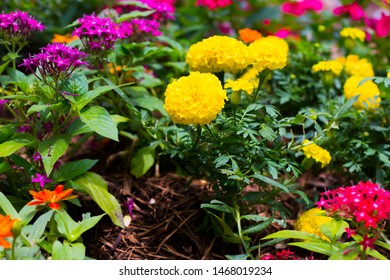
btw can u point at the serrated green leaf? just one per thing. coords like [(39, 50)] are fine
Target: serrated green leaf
[(99, 120), (94, 185), (267, 132)]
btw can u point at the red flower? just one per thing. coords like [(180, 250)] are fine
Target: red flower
[(51, 197), (367, 242), (299, 8), (354, 10), (382, 26)]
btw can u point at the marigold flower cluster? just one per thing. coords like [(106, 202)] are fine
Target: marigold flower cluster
[(368, 93), (248, 35), (333, 66), (353, 33), (268, 52), (312, 150), (365, 203), (218, 54), (311, 221), (98, 35), (55, 60), (214, 4), (240, 84), (354, 66), (195, 99), (6, 224), (18, 26), (51, 198), (67, 38)]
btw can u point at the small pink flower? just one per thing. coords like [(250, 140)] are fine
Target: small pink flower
[(382, 28), (41, 179), (367, 242), (354, 10), (298, 8)]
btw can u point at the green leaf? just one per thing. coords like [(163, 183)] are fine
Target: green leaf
[(71, 229), (334, 229), (20, 79), (267, 132), (150, 103), (376, 254), (142, 161), (4, 167), (4, 66), (227, 234), (259, 227), (77, 127), (68, 251), (270, 181), (346, 106), (38, 228), (241, 257), (94, 185), (295, 234), (217, 205), (87, 97), (73, 169), (7, 207), (9, 147), (51, 150), (322, 248), (346, 253), (134, 14), (382, 244), (99, 120), (76, 84), (298, 119), (27, 213)]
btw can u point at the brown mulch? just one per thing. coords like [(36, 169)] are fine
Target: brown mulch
[(167, 222)]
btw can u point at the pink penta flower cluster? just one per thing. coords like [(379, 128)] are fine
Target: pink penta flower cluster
[(138, 28), (298, 8), (365, 203), (165, 9), (98, 34), (18, 25), (214, 4), (55, 60)]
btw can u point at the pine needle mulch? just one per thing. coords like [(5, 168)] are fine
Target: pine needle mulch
[(166, 224)]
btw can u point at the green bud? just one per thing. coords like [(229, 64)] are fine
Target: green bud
[(16, 228), (327, 78), (236, 97), (321, 28)]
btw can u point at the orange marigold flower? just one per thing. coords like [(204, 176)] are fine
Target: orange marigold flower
[(67, 38), (248, 35), (6, 224), (51, 197)]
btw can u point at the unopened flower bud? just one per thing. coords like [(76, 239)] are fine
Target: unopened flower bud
[(236, 97)]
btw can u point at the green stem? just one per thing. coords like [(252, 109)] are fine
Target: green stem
[(262, 76)]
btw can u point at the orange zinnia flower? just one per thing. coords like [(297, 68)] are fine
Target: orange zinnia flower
[(248, 35), (51, 197), (67, 38), (5, 230)]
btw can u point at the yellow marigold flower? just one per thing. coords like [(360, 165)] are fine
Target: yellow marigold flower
[(311, 221), (248, 35), (353, 33), (218, 54), (368, 91), (333, 66), (67, 38), (388, 74), (195, 99), (269, 52), (6, 224), (354, 66), (312, 150), (251, 75), (240, 84)]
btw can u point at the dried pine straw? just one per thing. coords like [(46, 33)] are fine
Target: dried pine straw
[(166, 222)]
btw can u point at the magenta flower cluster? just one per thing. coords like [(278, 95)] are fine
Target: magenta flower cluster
[(18, 25), (365, 203), (214, 4), (98, 35), (163, 9), (138, 28), (55, 60)]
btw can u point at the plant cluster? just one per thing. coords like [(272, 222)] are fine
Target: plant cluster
[(250, 96)]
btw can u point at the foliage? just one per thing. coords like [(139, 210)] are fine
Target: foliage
[(282, 72)]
